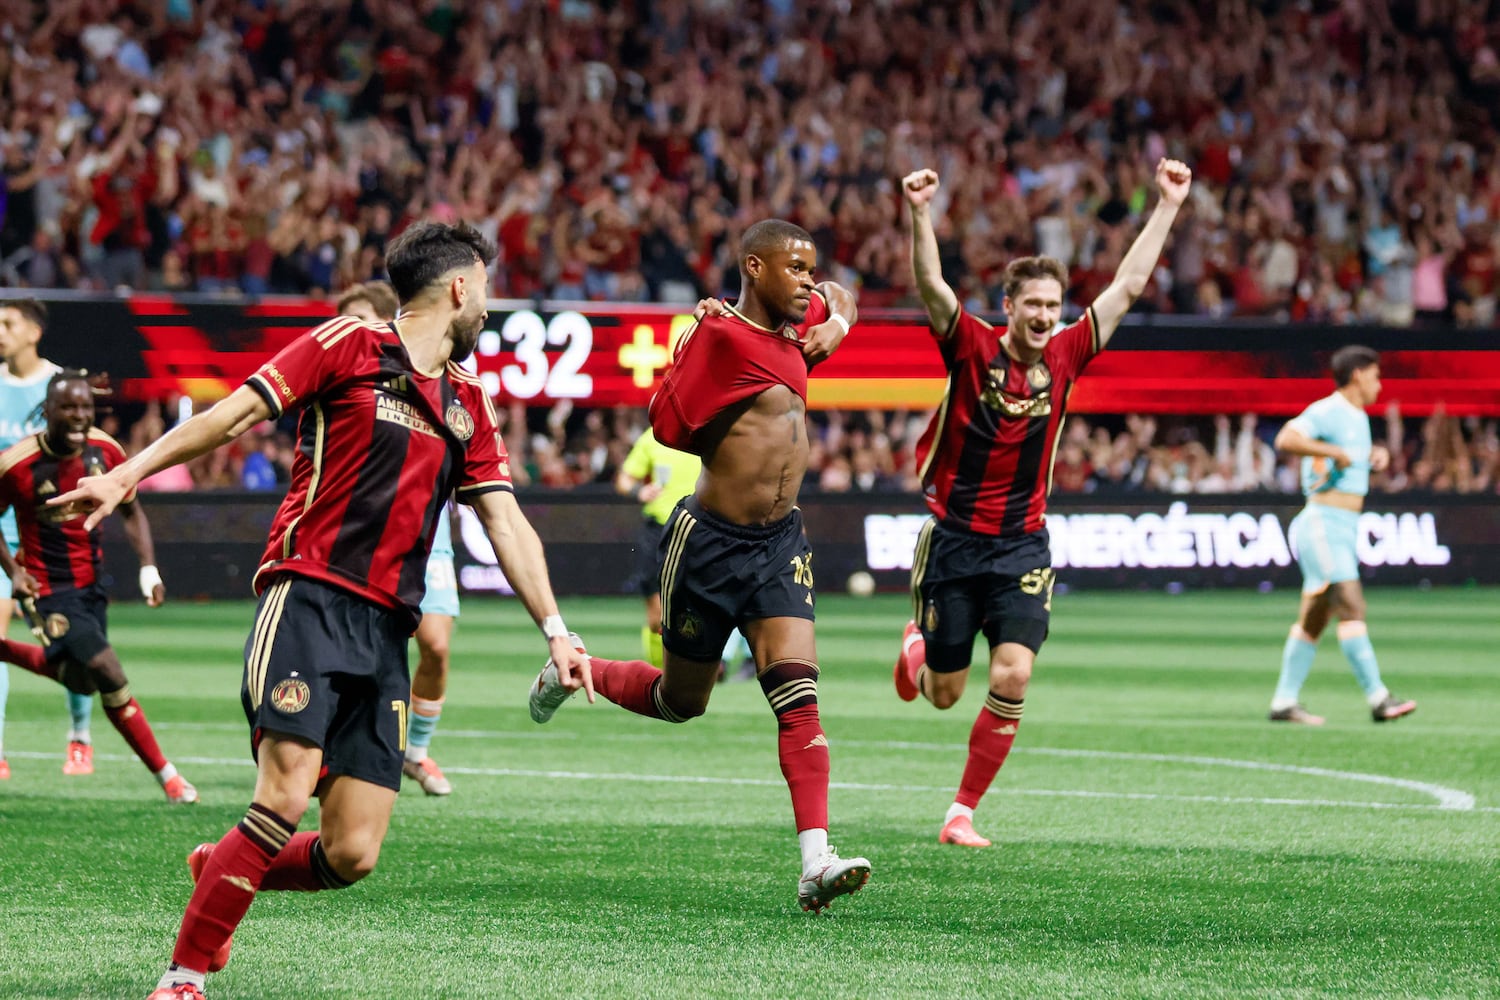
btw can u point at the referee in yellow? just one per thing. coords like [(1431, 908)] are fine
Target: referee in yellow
[(656, 477)]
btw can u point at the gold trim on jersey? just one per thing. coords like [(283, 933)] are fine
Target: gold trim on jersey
[(1056, 439), (320, 427), (681, 528), (919, 566), (335, 330), (18, 453), (937, 434), (266, 623)]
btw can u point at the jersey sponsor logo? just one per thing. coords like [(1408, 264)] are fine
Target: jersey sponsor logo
[(290, 696), (393, 409), (459, 421), (273, 375)]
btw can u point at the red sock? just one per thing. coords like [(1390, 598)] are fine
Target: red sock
[(914, 658), (227, 885), (131, 722), (989, 743), (631, 684), (301, 866), (791, 686), (27, 656)]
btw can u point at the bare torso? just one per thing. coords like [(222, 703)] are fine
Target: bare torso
[(754, 458)]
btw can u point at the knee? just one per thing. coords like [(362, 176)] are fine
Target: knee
[(684, 709), (352, 854), (1010, 676), (432, 656), (943, 696)]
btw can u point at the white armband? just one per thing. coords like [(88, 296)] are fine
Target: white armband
[(150, 579), (841, 321), (553, 627)]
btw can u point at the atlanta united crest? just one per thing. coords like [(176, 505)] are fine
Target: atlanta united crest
[(1039, 376), (459, 421), (290, 696), (56, 626)]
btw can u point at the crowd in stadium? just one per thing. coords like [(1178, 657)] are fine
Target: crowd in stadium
[(248, 147)]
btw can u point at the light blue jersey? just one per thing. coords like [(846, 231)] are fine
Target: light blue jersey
[(1336, 421), (20, 416)]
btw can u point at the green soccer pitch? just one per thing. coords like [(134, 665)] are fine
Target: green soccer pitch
[(1154, 835)]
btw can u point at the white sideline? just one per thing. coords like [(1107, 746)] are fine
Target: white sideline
[(1449, 799)]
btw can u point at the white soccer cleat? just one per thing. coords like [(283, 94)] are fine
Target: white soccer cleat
[(831, 877), (548, 693), (426, 773)]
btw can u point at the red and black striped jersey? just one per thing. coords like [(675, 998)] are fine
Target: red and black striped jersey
[(986, 457), (55, 548), (381, 447)]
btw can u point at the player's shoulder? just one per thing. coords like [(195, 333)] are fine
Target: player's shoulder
[(470, 391), (19, 453), (103, 440), (333, 332)]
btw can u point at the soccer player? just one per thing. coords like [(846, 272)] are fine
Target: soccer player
[(60, 566), (656, 477), (375, 301), (982, 561), (390, 427), (23, 386), (734, 553), (1333, 438)]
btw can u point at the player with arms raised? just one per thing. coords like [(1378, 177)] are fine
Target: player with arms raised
[(734, 554), (60, 566), (982, 561), (390, 428)]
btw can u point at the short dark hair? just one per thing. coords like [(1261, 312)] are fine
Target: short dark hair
[(426, 251), (34, 310), (379, 294), (768, 236), (1024, 269), (1348, 360)]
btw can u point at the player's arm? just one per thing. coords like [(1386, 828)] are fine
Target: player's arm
[(198, 435), (634, 478), (1293, 440), (22, 583), (1173, 180), (519, 550), (138, 534), (920, 187), (822, 340)]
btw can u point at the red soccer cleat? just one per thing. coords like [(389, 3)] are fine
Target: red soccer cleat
[(80, 758), (4, 769), (960, 830), (196, 859), (905, 689), (182, 991)]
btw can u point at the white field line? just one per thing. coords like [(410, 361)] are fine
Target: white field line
[(1453, 802)]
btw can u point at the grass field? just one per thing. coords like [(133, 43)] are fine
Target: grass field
[(1155, 836)]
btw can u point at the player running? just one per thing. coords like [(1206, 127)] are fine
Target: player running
[(734, 553), (1333, 438), (982, 561), (60, 566)]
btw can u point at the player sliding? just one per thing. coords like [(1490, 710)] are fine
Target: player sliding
[(60, 566), (734, 553), (982, 561), (1333, 438), (390, 427)]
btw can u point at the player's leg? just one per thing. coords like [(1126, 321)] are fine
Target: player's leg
[(952, 613), (1309, 537), (344, 849), (1354, 643), (129, 719), (1017, 615), (786, 662), (229, 873), (429, 686)]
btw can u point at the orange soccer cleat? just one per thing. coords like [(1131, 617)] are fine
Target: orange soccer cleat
[(905, 689), (179, 991), (196, 859), (4, 769), (960, 831), (80, 758), (426, 773)]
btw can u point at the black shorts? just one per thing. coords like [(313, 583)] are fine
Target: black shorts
[(963, 583), (330, 668), (76, 622), (715, 576), (647, 577)]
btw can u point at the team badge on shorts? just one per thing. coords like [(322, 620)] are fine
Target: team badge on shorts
[(689, 625), (930, 617), (290, 696), (459, 421), (55, 625)]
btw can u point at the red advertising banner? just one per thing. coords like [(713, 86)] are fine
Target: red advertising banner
[(605, 355)]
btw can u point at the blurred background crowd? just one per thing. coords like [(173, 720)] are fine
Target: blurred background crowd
[(1344, 155)]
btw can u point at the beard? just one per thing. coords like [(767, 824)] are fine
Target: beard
[(464, 332)]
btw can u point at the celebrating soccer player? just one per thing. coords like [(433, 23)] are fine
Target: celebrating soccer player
[(390, 427), (1333, 438), (23, 386), (376, 302), (60, 566), (982, 561), (734, 553)]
